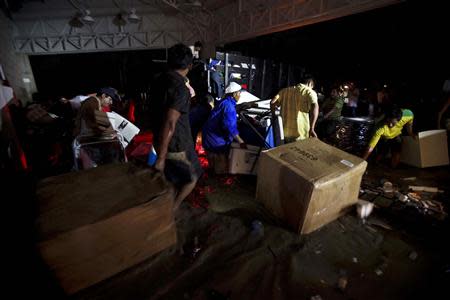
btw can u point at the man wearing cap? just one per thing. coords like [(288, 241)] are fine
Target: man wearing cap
[(296, 103), (170, 101), (87, 119), (91, 120), (221, 129)]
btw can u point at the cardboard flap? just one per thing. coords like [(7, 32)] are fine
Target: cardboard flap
[(75, 199), (316, 161), (424, 134)]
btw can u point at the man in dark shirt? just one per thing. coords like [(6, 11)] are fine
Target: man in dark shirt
[(170, 124)]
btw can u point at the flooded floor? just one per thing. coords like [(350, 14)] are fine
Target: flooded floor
[(230, 247)]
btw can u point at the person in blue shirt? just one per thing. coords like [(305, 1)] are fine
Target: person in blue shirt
[(221, 129)]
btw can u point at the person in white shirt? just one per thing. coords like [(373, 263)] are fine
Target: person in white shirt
[(76, 101)]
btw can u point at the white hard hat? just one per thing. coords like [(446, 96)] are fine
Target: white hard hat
[(232, 87)]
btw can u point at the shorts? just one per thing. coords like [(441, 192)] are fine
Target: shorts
[(182, 167), (394, 145)]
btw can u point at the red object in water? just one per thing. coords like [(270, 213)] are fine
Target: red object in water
[(197, 198), (203, 162), (55, 156), (131, 110), (201, 154), (144, 137), (23, 160), (200, 150), (142, 149), (228, 180), (198, 146)]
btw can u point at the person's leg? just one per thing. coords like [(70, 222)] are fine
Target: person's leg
[(396, 150), (330, 130), (188, 171), (381, 151), (221, 163), (211, 161), (183, 192), (395, 160)]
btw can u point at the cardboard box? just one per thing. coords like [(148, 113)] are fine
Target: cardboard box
[(243, 161), (429, 150), (308, 183), (93, 224)]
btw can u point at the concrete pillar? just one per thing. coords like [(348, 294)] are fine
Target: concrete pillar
[(16, 66)]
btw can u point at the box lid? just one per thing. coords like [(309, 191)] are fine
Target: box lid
[(316, 161), (71, 200)]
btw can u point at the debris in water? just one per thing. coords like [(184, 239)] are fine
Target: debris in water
[(364, 209), (429, 189), (413, 255), (342, 283)]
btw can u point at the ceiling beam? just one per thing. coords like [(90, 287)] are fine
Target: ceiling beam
[(287, 15)]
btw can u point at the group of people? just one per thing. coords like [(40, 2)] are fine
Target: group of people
[(299, 109), (171, 127), (175, 130)]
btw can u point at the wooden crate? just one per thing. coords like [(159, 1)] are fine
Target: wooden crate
[(95, 223)]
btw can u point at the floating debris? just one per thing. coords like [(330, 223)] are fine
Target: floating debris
[(342, 283), (413, 255), (429, 189), (364, 209), (378, 272)]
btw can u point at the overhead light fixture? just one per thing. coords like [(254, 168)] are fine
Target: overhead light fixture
[(76, 21), (87, 17), (133, 17), (119, 20)]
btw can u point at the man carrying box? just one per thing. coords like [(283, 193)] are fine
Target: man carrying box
[(88, 120), (221, 129), (176, 156), (389, 131)]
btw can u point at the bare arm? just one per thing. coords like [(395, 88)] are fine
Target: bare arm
[(367, 153), (329, 113), (165, 136), (410, 130), (238, 139), (315, 115), (275, 102)]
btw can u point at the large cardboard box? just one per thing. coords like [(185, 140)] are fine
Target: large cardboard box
[(308, 183), (243, 161), (429, 150), (95, 223)]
